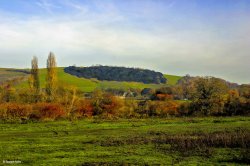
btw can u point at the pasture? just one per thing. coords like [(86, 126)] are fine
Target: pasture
[(177, 141)]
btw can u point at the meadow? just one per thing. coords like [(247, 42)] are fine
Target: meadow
[(154, 141)]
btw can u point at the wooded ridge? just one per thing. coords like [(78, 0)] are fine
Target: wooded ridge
[(118, 74)]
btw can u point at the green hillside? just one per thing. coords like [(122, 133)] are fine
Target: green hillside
[(172, 79), (85, 85), (88, 85)]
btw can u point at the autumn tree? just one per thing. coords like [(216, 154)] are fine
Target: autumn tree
[(34, 91), (51, 79), (185, 88), (244, 91), (209, 96), (34, 78)]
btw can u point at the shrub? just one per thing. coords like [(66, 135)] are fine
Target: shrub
[(26, 95), (48, 111), (105, 104), (9, 94), (157, 108), (164, 108), (84, 108), (15, 111), (184, 109), (128, 109)]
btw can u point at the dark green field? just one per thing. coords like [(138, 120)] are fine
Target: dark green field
[(180, 141)]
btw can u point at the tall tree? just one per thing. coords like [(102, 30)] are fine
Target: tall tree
[(51, 79), (34, 80), (209, 95)]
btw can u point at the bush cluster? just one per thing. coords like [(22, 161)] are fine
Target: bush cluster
[(71, 105)]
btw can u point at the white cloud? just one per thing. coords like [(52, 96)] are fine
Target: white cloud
[(86, 38)]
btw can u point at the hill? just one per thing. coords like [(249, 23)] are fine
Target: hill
[(110, 73), (83, 84)]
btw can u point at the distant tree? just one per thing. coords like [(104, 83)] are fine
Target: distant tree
[(34, 91), (233, 104), (9, 93), (185, 87), (244, 91), (209, 96), (34, 79), (51, 79)]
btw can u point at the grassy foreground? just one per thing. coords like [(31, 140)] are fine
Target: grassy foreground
[(125, 142)]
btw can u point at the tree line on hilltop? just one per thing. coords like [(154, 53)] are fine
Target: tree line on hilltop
[(110, 73)]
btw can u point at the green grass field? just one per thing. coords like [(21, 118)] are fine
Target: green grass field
[(118, 142), (89, 85)]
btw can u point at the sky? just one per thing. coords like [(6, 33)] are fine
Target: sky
[(179, 37)]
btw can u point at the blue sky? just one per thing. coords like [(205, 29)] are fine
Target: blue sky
[(197, 37)]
